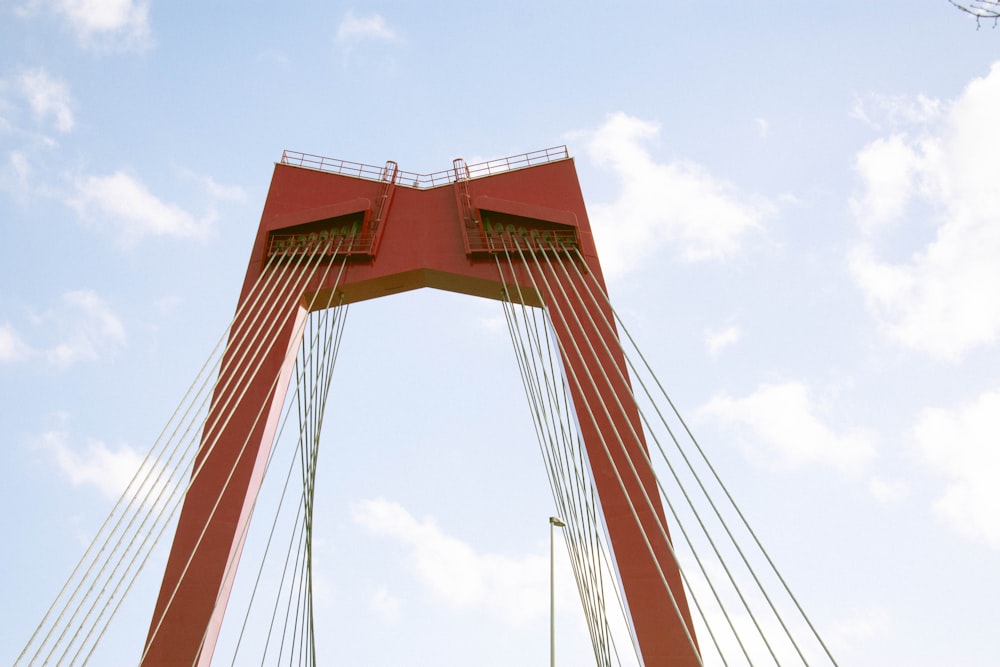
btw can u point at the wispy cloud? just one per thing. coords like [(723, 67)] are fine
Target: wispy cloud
[(87, 326), (385, 603), (353, 29), (717, 340), (82, 328), (108, 24), (48, 97), (961, 445), (108, 470), (122, 206), (13, 349), (112, 471), (937, 176), (784, 427), (888, 492), (18, 171), (676, 202), (219, 192), (512, 589), (895, 111), (763, 127), (855, 634)]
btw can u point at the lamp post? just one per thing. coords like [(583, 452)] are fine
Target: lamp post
[(553, 522)]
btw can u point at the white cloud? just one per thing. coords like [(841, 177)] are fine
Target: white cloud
[(220, 192), (357, 28), (16, 175), (108, 470), (888, 492), (514, 589), (118, 24), (386, 604), (887, 167), (963, 445), (88, 327), (718, 340), (48, 97), (123, 207), (215, 190), (894, 111), (787, 432), (677, 202), (763, 127), (19, 169), (12, 348), (940, 176), (27, 8), (83, 328), (853, 634)]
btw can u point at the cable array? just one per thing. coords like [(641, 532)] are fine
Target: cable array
[(742, 609), (562, 452), (291, 628), (74, 625)]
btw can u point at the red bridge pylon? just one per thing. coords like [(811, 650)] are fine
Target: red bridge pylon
[(385, 231)]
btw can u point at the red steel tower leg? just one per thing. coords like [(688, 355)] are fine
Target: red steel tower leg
[(412, 237)]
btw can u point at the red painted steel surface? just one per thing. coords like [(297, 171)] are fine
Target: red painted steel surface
[(424, 243)]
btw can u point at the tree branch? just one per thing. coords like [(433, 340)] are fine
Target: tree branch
[(981, 9)]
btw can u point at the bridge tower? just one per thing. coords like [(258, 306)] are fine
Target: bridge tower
[(393, 231)]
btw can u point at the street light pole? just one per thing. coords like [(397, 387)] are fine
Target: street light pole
[(553, 522)]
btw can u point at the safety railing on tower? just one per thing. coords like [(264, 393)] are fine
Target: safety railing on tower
[(424, 181)]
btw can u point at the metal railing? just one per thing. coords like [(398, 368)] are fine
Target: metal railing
[(332, 165), (424, 181)]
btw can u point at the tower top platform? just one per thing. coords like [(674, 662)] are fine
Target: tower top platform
[(412, 179)]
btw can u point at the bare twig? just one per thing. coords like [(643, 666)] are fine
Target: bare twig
[(981, 9)]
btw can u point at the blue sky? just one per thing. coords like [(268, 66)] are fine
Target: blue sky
[(795, 204)]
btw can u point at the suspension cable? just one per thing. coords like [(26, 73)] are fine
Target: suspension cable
[(297, 334), (577, 382), (722, 486), (529, 362), (645, 456), (140, 480)]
